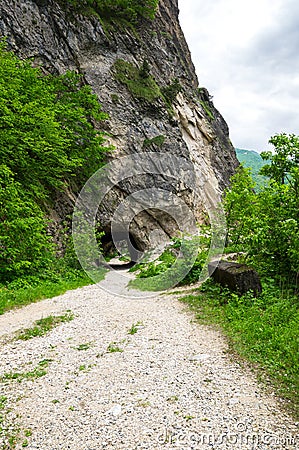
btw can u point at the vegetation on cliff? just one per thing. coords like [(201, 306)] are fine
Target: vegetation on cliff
[(142, 84), (127, 10)]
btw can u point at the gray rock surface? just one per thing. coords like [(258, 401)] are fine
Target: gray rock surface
[(237, 277), (59, 39)]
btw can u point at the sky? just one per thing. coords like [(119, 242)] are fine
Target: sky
[(246, 53)]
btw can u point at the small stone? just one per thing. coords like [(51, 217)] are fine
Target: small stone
[(200, 357), (115, 410)]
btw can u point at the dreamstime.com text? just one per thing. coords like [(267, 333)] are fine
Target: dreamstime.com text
[(253, 439)]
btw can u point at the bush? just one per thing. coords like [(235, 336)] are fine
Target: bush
[(176, 263), (48, 142), (171, 91), (144, 88)]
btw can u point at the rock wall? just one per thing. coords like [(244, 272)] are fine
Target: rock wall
[(59, 39)]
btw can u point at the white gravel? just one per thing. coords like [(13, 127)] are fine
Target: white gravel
[(173, 386)]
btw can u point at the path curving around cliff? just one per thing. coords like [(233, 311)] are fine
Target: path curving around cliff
[(170, 385)]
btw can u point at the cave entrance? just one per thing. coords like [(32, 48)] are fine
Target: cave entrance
[(123, 251)]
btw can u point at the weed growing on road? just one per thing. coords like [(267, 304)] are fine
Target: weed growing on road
[(38, 372), (84, 346), (11, 434), (135, 327), (114, 348), (44, 325)]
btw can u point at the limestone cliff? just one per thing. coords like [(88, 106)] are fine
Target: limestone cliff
[(59, 39)]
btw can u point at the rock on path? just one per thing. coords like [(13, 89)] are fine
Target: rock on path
[(172, 385)]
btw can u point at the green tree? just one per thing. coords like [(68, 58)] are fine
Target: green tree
[(265, 225), (49, 141), (240, 204), (47, 132), (284, 162), (25, 246)]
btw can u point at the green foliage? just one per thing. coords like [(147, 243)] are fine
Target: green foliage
[(48, 142), (158, 266), (171, 91), (157, 140), (142, 84), (44, 325), (46, 130), (265, 225), (38, 372), (135, 327), (144, 88), (158, 275), (264, 330), (207, 110), (239, 205), (113, 347), (25, 247), (84, 346), (283, 166), (127, 10)]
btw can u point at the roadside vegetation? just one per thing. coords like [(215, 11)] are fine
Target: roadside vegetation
[(263, 229), (42, 326), (49, 144)]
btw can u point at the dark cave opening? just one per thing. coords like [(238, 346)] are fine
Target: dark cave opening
[(121, 244)]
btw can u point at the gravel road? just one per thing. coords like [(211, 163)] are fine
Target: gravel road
[(171, 385)]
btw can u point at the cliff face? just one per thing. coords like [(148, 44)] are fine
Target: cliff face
[(59, 39)]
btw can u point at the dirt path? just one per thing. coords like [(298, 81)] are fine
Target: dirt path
[(173, 385)]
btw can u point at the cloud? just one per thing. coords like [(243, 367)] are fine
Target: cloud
[(246, 54)]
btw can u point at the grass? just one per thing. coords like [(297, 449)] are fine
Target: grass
[(135, 327), (85, 346), (17, 297), (38, 372), (44, 325), (207, 110), (142, 88), (263, 331), (113, 347)]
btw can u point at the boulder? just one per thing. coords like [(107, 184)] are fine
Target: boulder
[(237, 277)]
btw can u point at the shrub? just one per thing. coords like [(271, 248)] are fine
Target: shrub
[(128, 10), (157, 140), (171, 91), (48, 142), (139, 86)]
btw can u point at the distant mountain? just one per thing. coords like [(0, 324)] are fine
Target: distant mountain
[(254, 161)]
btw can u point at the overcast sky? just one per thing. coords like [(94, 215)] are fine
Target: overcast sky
[(246, 53)]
